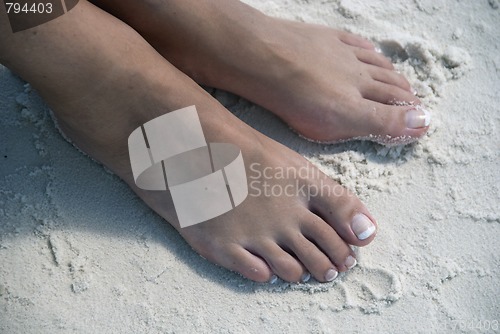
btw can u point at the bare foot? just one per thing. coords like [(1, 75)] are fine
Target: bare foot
[(326, 84), (115, 82)]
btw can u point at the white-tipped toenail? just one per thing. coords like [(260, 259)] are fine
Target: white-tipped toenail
[(305, 277), (331, 274), (417, 118), (362, 226), (413, 91), (273, 279), (350, 262), (378, 50), (427, 117)]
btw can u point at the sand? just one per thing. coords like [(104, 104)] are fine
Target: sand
[(80, 253)]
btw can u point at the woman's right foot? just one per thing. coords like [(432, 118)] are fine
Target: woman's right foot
[(102, 86)]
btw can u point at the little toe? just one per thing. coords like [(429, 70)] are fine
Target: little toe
[(373, 58)]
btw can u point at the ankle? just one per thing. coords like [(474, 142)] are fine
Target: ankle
[(197, 36)]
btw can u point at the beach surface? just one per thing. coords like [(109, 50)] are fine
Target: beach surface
[(80, 253)]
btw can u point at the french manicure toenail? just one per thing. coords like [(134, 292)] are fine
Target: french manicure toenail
[(305, 277), (362, 226), (273, 279), (350, 262), (378, 50), (417, 118), (331, 274)]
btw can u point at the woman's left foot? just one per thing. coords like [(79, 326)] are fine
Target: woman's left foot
[(326, 84)]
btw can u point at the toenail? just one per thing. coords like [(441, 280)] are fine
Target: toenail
[(417, 118), (331, 274), (273, 279), (350, 262), (305, 277), (362, 226)]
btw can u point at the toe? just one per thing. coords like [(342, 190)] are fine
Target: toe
[(321, 248), (375, 116), (244, 262), (355, 40), (316, 260), (346, 214), (390, 77), (373, 58), (394, 124), (281, 262), (387, 94)]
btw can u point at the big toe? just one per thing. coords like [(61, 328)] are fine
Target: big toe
[(388, 124), (348, 216)]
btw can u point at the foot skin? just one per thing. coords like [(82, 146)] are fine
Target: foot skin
[(265, 236), (329, 88), (288, 235), (326, 84)]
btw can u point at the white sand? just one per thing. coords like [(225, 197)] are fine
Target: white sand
[(80, 253)]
